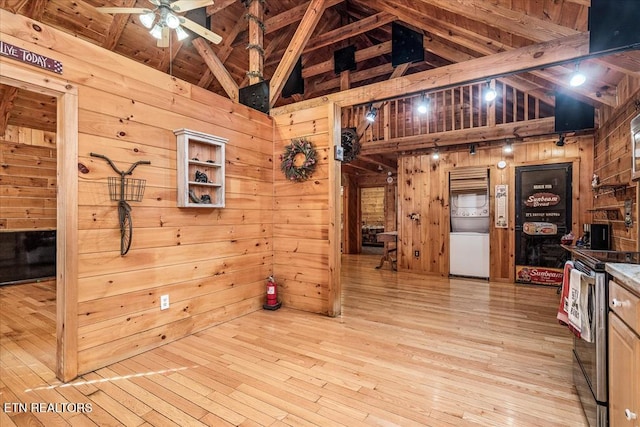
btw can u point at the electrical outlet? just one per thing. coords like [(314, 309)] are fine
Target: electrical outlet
[(164, 302), (416, 254)]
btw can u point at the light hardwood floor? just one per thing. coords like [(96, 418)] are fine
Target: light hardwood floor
[(408, 350)]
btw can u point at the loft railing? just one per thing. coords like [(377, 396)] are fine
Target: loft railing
[(449, 110)]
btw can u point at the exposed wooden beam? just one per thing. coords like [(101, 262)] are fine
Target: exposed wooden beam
[(465, 136), (296, 46), (347, 31), (529, 57), (360, 55), (33, 9), (292, 15), (224, 50), (217, 68), (511, 21), (117, 27), (6, 104), (219, 5)]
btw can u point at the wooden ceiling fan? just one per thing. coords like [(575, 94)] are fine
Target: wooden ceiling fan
[(165, 16)]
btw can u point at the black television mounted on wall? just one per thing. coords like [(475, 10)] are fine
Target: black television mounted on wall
[(613, 25), (572, 114)]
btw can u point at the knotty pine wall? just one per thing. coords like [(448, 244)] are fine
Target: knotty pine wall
[(211, 262), (27, 179), (423, 189), (306, 235), (612, 163)]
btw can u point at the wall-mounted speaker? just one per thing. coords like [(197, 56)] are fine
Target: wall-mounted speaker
[(344, 59), (406, 45), (295, 82), (613, 25), (256, 96), (572, 114)]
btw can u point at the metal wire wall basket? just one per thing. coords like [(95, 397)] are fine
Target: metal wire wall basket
[(133, 189)]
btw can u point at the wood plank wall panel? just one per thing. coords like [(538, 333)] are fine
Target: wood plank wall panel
[(373, 205), (423, 189), (27, 179), (301, 219), (612, 163), (211, 262)]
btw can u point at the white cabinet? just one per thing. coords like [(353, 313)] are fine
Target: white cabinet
[(624, 357), (200, 169)]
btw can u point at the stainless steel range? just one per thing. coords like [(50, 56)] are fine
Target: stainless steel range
[(590, 365)]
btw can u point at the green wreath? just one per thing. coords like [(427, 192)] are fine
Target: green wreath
[(299, 160)]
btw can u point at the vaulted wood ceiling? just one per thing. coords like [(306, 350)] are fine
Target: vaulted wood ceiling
[(453, 31)]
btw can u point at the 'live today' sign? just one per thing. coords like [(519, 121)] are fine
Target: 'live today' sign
[(29, 57)]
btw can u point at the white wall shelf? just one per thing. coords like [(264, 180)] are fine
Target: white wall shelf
[(203, 155)]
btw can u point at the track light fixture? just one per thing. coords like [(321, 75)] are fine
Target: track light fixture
[(560, 141), (508, 148), (489, 93), (423, 106), (577, 78), (371, 114), (472, 149), (435, 155)]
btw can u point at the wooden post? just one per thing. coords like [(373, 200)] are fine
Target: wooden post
[(256, 40)]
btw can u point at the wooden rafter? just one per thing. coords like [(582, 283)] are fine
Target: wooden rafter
[(224, 50), (296, 46), (485, 46), (534, 56), (117, 27), (217, 68)]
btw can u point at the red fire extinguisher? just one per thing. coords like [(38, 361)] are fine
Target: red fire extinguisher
[(272, 295)]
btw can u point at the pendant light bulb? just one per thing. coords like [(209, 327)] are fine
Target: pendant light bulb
[(147, 19), (423, 106), (577, 77), (181, 33), (371, 114), (172, 21), (435, 155), (156, 32), (490, 93)]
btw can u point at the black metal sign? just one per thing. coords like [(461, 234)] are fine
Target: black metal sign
[(29, 57)]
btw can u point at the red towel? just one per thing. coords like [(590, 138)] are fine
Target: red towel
[(563, 317)]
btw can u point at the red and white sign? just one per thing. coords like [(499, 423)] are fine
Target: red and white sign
[(539, 275)]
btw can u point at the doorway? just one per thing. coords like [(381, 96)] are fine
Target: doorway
[(66, 142), (372, 219)]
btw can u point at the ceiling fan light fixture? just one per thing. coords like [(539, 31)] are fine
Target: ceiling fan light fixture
[(156, 32), (147, 19), (172, 21), (181, 33)]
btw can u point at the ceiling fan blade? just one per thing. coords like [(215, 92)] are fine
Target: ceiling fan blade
[(200, 30), (163, 41), (185, 5), (131, 10)]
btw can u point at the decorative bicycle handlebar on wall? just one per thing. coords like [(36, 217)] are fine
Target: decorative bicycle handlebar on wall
[(122, 190)]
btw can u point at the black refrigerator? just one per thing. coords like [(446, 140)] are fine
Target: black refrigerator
[(543, 216)]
